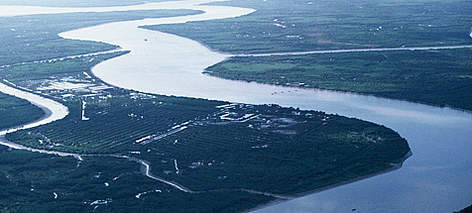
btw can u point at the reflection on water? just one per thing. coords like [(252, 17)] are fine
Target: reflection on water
[(435, 179)]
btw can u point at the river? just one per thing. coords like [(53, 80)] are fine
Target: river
[(53, 111), (435, 179)]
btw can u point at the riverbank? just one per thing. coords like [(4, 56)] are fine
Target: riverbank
[(432, 76), (53, 110), (118, 119), (434, 133), (411, 120)]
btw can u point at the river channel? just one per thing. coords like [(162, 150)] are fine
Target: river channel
[(436, 178)]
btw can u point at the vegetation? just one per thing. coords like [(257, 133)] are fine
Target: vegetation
[(442, 78), (300, 25), (437, 77), (32, 73), (217, 149), (30, 38), (222, 151), (31, 182), (15, 111), (283, 151)]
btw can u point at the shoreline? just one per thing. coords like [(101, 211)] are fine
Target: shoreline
[(53, 110), (445, 107), (328, 187), (434, 109)]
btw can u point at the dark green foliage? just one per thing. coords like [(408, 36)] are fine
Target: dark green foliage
[(296, 153), (439, 78), (299, 151), (29, 181), (277, 150), (114, 125), (328, 24), (31, 72), (442, 78), (15, 111), (29, 38)]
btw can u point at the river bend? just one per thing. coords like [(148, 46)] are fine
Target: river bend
[(435, 179)]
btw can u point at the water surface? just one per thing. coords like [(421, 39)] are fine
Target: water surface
[(435, 179)]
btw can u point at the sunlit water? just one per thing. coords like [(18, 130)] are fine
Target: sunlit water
[(435, 179)]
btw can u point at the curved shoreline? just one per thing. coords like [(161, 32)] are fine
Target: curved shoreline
[(395, 167), (53, 111), (21, 10), (56, 111), (175, 60), (113, 73), (398, 115)]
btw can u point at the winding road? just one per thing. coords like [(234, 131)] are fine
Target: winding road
[(435, 179), (55, 111)]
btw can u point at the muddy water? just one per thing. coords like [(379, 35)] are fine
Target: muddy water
[(435, 179)]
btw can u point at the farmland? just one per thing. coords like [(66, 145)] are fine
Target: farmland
[(30, 38), (231, 156), (441, 78), (298, 25), (214, 148)]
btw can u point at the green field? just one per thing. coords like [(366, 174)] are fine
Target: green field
[(29, 38), (442, 78), (216, 150), (222, 151), (29, 181), (300, 25)]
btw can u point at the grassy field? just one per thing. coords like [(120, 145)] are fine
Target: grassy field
[(439, 78), (299, 25), (217, 149), (29, 38), (207, 146), (117, 119), (442, 78)]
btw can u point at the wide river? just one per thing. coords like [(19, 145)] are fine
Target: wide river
[(437, 178)]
